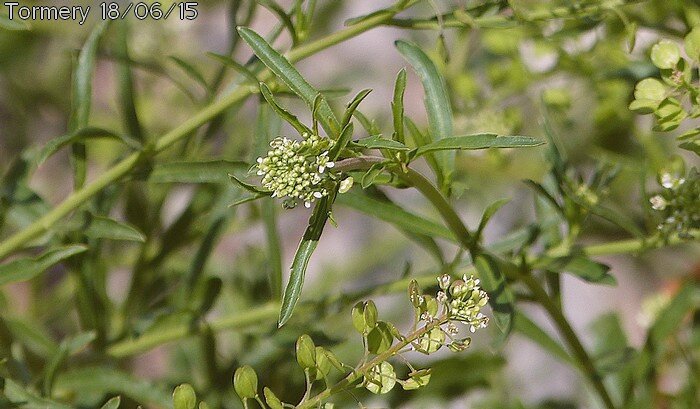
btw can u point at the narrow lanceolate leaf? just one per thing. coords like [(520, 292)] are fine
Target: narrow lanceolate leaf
[(397, 109), (266, 127), (302, 256), (249, 187), (82, 97), (241, 69), (581, 266), (500, 297), (282, 15), (125, 80), (191, 71), (281, 67), (20, 397), (437, 102), (215, 171), (342, 142), (352, 106), (488, 214), (100, 227), (80, 136), (531, 330), (27, 268), (67, 348), (671, 317), (478, 141), (112, 403), (283, 113), (395, 215), (377, 142)]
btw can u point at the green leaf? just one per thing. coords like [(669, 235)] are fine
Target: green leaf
[(692, 44), (283, 113), (394, 214), (613, 216), (27, 268), (81, 97), (437, 101), (245, 382), (651, 89), (421, 139), (302, 256), (268, 125), (213, 171), (342, 141), (113, 403), (432, 341), (184, 397), (281, 67), (247, 199), (100, 227), (191, 71), (271, 399), (665, 54), (32, 336), (478, 141), (500, 297), (67, 348), (381, 378), (28, 400), (377, 142), (488, 214), (397, 109), (282, 16), (80, 136), (371, 175), (379, 338), (352, 106), (671, 317), (306, 352), (579, 265), (532, 331), (106, 381), (230, 62), (125, 81)]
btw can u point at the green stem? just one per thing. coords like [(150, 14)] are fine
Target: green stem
[(450, 20), (147, 341), (462, 234), (361, 371), (126, 165), (572, 340)]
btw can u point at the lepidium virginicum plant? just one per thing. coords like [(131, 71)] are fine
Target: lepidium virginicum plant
[(144, 275)]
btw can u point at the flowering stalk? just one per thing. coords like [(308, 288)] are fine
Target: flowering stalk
[(364, 369)]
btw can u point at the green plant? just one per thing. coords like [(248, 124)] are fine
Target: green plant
[(169, 243)]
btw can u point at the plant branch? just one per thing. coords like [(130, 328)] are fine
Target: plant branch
[(362, 370), (126, 165)]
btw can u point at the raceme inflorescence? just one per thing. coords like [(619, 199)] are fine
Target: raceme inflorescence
[(297, 169), (436, 324)]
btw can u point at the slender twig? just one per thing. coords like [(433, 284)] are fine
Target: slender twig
[(361, 371)]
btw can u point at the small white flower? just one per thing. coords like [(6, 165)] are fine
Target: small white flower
[(658, 202)]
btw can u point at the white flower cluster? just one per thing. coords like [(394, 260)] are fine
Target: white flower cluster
[(297, 169), (467, 299), (679, 204)]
